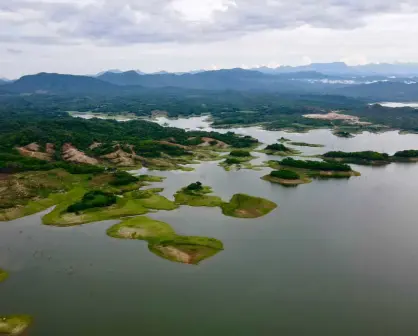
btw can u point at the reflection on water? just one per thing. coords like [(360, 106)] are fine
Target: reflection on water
[(338, 257)]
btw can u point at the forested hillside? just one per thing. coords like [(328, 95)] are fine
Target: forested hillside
[(28, 137)]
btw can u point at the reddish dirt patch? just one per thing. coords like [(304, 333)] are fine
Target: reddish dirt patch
[(33, 150), (72, 154), (121, 158), (220, 144), (172, 144)]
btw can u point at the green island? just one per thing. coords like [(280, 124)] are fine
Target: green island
[(360, 158), (304, 144), (316, 169), (3, 275), (342, 134), (410, 155), (164, 242), (14, 324), (196, 195), (286, 177), (279, 150), (238, 158), (245, 206), (240, 205), (283, 139), (372, 158), (79, 198), (131, 203)]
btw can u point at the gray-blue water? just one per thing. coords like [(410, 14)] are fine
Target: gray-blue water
[(338, 257)]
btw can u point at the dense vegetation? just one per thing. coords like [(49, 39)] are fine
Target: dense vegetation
[(239, 153), (278, 148), (411, 153), (315, 165), (148, 139), (232, 161), (285, 174), (366, 155), (93, 199), (194, 187), (121, 178), (231, 96), (272, 109)]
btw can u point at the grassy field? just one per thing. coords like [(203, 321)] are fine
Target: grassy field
[(142, 228), (198, 198), (151, 178), (28, 193), (3, 275), (14, 324), (187, 249), (164, 242), (245, 206), (130, 204), (286, 182)]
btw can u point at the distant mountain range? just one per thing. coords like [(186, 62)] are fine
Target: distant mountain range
[(308, 80), (342, 69), (49, 83), (334, 68)]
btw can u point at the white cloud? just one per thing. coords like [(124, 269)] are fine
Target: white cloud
[(86, 36)]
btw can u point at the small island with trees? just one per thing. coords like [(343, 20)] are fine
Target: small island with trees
[(410, 155), (342, 134), (299, 143), (279, 150), (286, 177), (305, 144), (237, 158), (306, 169), (371, 158), (240, 205), (196, 195), (360, 158)]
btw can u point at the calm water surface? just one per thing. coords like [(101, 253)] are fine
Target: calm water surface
[(338, 257)]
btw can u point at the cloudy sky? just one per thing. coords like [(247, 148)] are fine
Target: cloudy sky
[(88, 36)]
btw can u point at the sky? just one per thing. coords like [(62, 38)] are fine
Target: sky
[(89, 36)]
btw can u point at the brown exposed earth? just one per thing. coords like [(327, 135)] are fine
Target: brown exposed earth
[(172, 144), (175, 253), (121, 158), (95, 145), (72, 154), (335, 115), (34, 150), (206, 142)]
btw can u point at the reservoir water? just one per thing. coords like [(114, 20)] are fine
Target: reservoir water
[(338, 257)]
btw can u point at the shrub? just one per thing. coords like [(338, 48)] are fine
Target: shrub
[(93, 199), (194, 186)]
